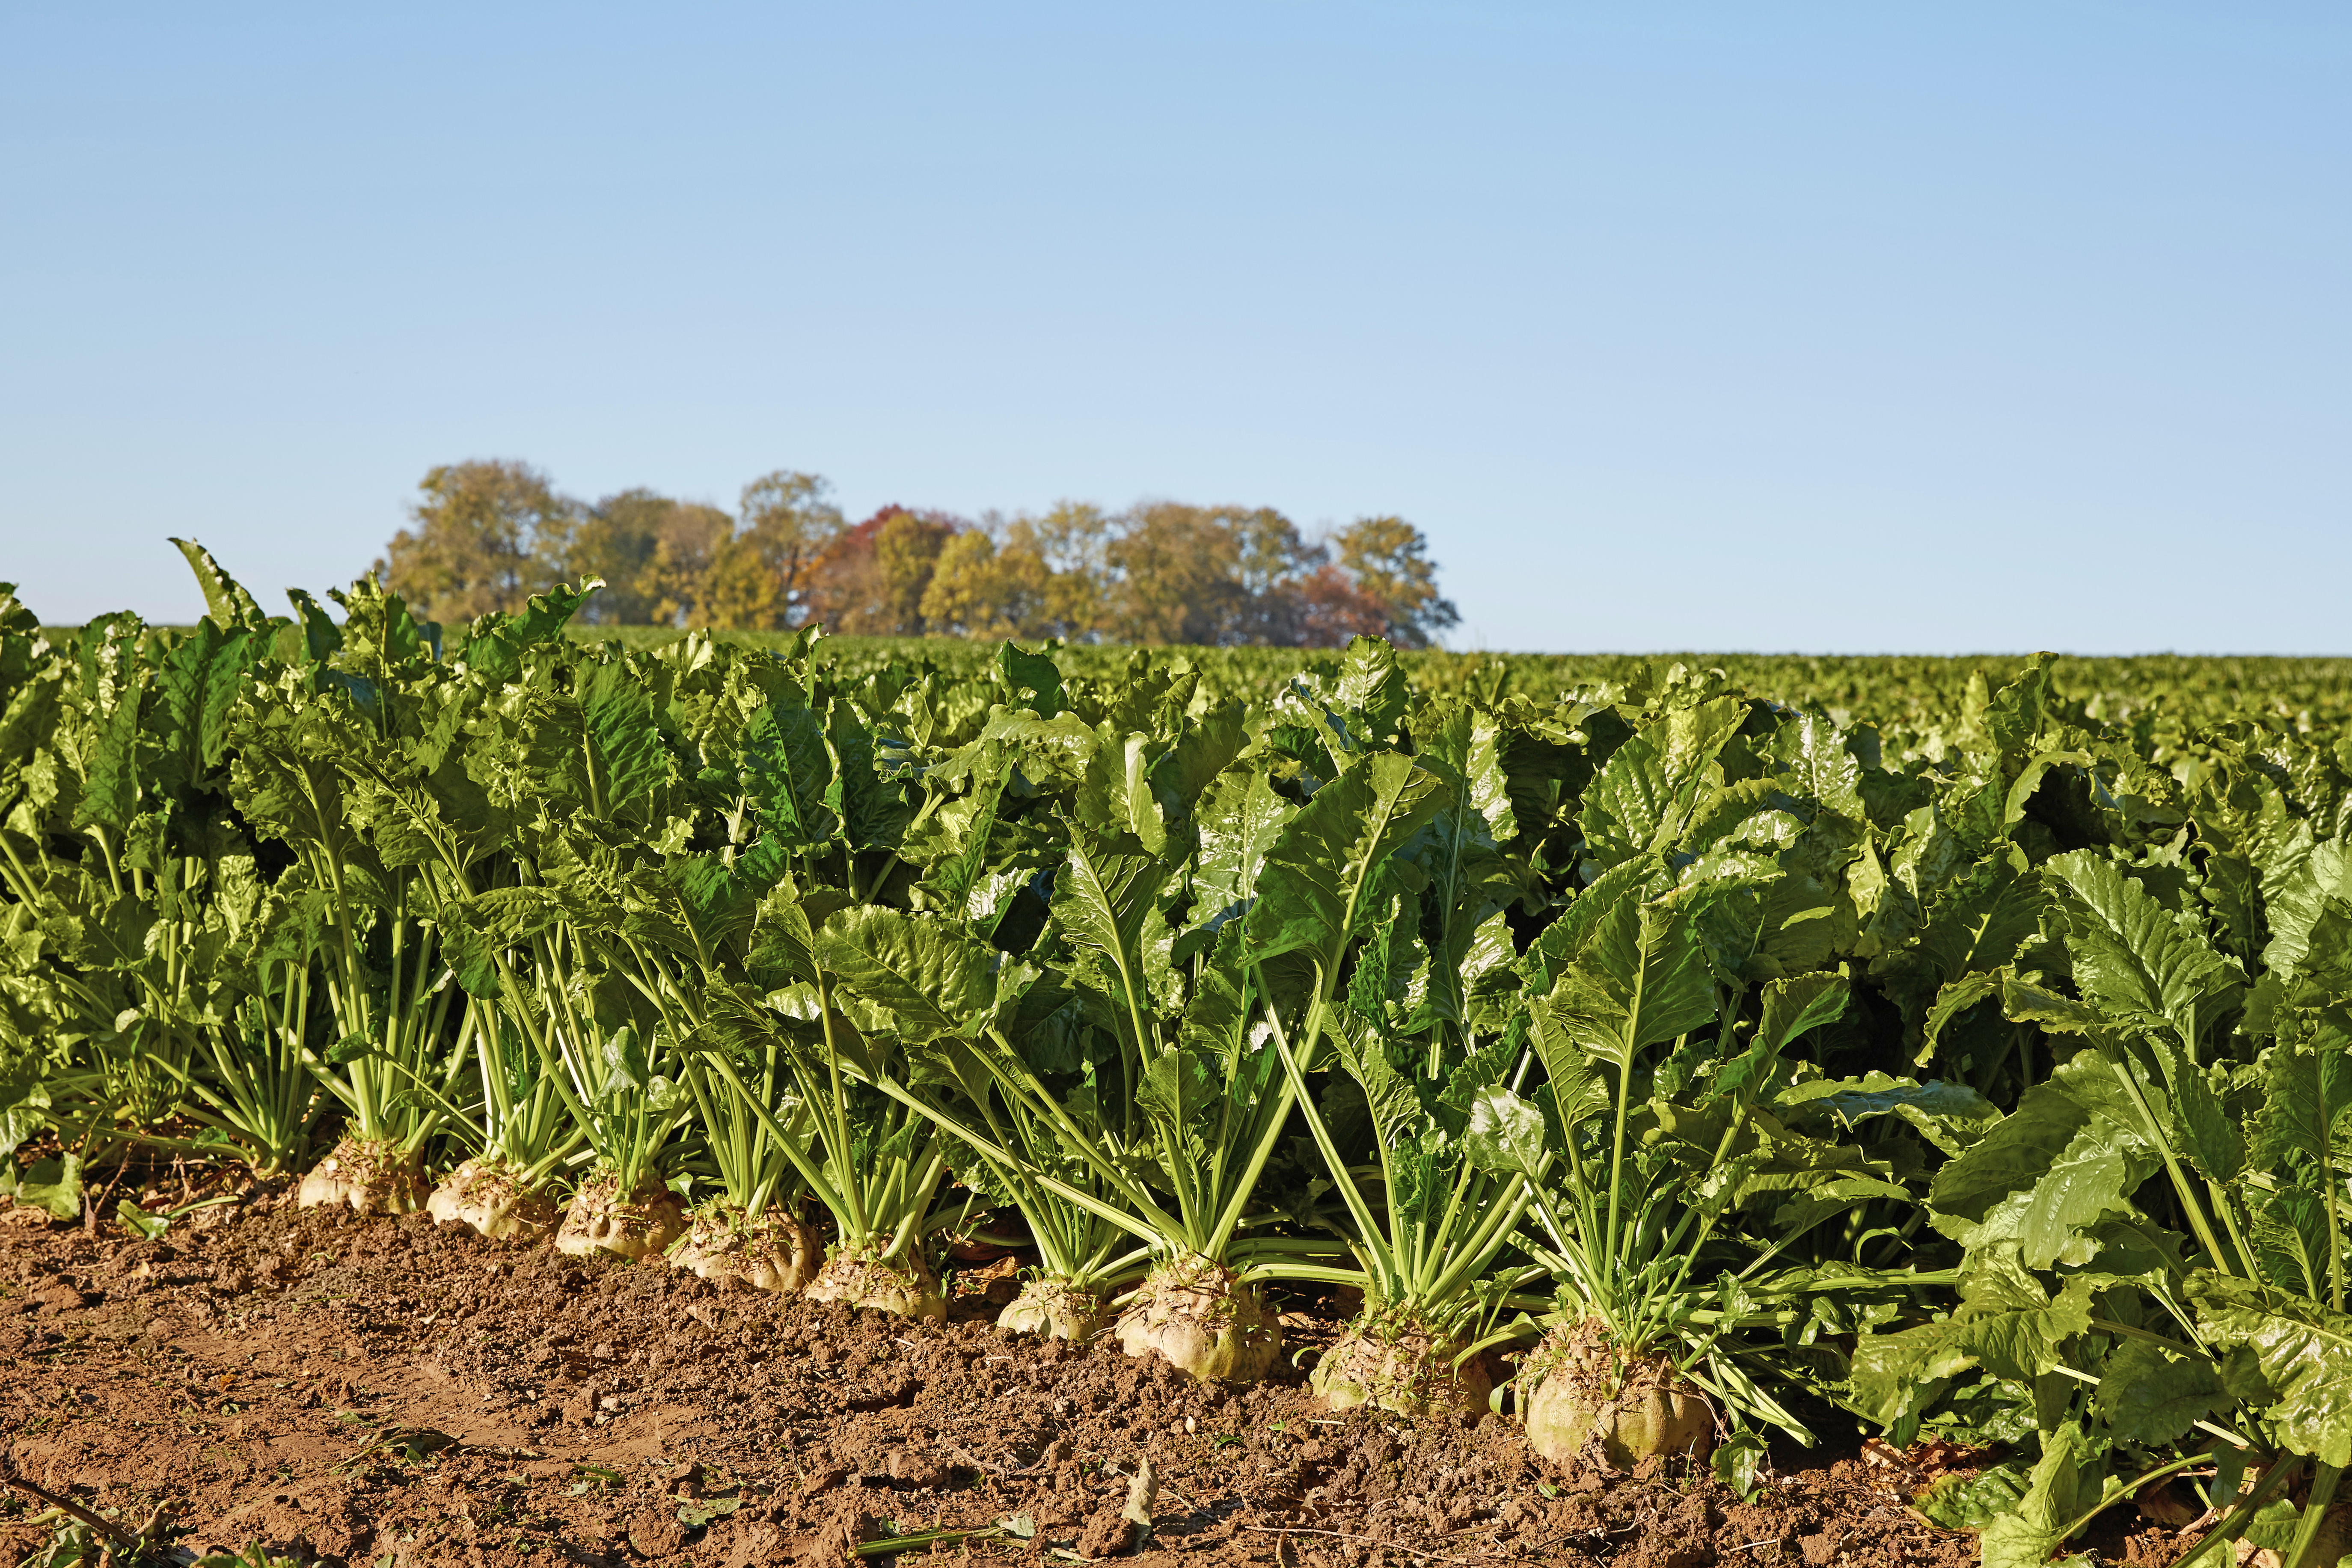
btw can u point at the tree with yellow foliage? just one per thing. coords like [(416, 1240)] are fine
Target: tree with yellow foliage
[(490, 535), (487, 536), (980, 590), (760, 579), (1387, 558)]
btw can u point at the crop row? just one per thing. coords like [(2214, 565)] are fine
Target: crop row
[(1987, 1075)]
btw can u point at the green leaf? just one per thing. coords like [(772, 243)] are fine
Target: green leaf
[(1894, 1376), (784, 935), (2134, 959), (226, 603), (2306, 1090), (712, 902), (1373, 684), (1792, 1007), (1955, 998), (1569, 1074), (1357, 708), (1102, 901), (137, 1221), (2303, 1349), (1459, 855), (2072, 1149), (1815, 761), (381, 638), (2325, 878), (2010, 1324), (197, 691), (2010, 720), (1972, 1502), (1505, 1135), (1390, 1095), (474, 932), (2064, 1485), (23, 1107), (495, 642), (873, 813), (1181, 1089), (321, 638), (1798, 1005), (1557, 943), (1116, 796), (931, 979), (787, 771), (546, 615), (2200, 1123), (2024, 1003), (1641, 977), (1951, 1115), (1240, 818), (1051, 751), (352, 1047), (1031, 680), (1981, 918), (1736, 1460), (2151, 1396), (110, 790), (1646, 792), (2288, 1231), (1321, 868), (627, 1069), (1205, 749), (52, 1186), (625, 743)]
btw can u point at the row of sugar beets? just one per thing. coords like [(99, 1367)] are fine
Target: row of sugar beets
[(1679, 1039)]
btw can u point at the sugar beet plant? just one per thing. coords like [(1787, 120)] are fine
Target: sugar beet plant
[(1980, 1065)]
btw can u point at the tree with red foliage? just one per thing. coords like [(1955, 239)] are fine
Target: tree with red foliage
[(870, 581), (488, 534)]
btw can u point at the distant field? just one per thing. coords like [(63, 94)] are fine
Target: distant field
[(2316, 691), (2308, 693)]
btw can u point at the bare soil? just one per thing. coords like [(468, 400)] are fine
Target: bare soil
[(389, 1393)]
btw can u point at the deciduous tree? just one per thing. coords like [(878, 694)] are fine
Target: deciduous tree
[(615, 540), (788, 521), (1389, 559), (1179, 576), (688, 537), (979, 589), (487, 536), (871, 580)]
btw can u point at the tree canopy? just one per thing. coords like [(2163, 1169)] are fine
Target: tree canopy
[(486, 535)]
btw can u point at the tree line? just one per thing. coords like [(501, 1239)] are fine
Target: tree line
[(486, 535)]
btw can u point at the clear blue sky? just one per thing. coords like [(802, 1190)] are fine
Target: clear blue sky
[(1832, 327)]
